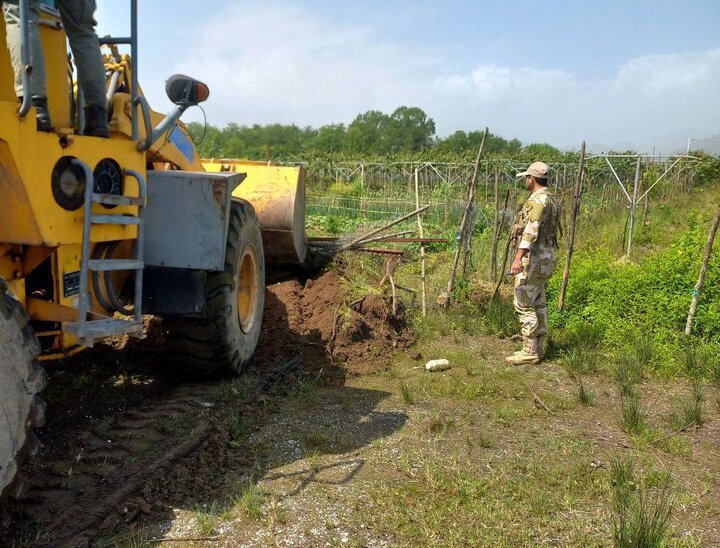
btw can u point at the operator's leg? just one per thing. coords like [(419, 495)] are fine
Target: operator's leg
[(78, 19), (11, 13)]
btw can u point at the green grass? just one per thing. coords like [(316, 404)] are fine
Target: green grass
[(438, 501), (585, 396), (235, 390), (640, 514), (407, 394), (239, 428), (633, 416), (581, 360), (628, 373), (207, 518), (691, 410), (250, 500)]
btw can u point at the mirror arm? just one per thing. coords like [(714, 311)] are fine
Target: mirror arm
[(152, 135)]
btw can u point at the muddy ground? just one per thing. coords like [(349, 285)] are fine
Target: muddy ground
[(129, 438), (356, 446)]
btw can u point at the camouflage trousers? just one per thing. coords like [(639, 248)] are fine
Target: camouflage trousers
[(530, 303), (78, 19)]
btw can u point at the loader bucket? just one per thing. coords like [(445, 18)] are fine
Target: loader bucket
[(278, 196)]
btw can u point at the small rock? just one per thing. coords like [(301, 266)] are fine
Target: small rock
[(415, 356)]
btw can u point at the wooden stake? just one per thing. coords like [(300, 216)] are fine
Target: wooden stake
[(465, 219), (573, 218), (423, 260), (502, 269), (378, 230), (496, 233), (703, 270), (496, 240)]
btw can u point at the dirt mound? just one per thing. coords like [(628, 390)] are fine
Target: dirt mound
[(315, 321)]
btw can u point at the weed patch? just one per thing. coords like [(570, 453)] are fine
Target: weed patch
[(641, 516)]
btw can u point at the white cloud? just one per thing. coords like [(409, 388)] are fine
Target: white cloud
[(284, 64)]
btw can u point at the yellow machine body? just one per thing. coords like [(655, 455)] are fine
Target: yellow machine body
[(277, 194), (36, 234)]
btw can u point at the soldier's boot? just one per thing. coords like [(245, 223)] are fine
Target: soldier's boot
[(96, 123), (540, 347), (528, 354), (42, 114)]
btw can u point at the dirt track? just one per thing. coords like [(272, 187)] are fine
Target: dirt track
[(128, 439)]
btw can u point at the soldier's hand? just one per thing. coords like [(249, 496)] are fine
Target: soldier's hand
[(516, 267)]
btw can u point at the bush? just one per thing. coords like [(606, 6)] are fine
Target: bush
[(646, 302)]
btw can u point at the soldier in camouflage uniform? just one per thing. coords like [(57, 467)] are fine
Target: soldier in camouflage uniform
[(536, 229)]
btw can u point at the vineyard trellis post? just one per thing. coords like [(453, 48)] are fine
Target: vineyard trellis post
[(496, 232), (633, 207), (465, 218), (423, 260), (703, 270), (573, 218)]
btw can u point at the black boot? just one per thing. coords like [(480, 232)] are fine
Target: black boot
[(96, 123), (42, 114)]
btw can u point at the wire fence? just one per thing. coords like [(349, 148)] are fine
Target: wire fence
[(382, 191)]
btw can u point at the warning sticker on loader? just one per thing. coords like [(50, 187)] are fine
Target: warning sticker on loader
[(71, 283)]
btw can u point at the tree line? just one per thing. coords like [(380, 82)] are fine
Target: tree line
[(406, 132)]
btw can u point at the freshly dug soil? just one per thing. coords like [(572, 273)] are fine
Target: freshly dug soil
[(315, 321)]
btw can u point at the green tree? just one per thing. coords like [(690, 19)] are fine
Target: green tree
[(330, 138), (367, 133), (410, 130), (541, 151)]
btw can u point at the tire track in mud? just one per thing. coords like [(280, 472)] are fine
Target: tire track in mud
[(114, 470)]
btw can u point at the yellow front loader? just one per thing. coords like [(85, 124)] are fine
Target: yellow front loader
[(96, 232)]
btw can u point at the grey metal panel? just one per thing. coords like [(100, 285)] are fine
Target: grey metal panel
[(174, 292), (186, 218)]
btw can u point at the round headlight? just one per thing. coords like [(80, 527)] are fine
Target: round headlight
[(68, 184)]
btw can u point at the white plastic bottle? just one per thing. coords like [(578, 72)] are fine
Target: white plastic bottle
[(437, 365)]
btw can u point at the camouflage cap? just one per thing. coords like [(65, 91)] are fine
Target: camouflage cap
[(539, 170)]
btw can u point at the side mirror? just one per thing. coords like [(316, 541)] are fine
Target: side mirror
[(185, 91)]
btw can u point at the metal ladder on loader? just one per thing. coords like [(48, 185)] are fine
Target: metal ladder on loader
[(88, 331)]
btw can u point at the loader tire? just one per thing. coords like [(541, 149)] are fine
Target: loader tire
[(223, 341), (21, 379)]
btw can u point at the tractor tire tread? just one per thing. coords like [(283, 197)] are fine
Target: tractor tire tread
[(22, 407)]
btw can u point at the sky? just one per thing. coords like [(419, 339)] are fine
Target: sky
[(619, 74)]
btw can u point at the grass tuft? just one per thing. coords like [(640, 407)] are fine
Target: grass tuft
[(239, 428), (585, 396), (580, 359), (207, 519), (640, 520), (634, 417), (407, 395), (691, 412), (643, 347), (499, 316), (250, 500), (628, 373)]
